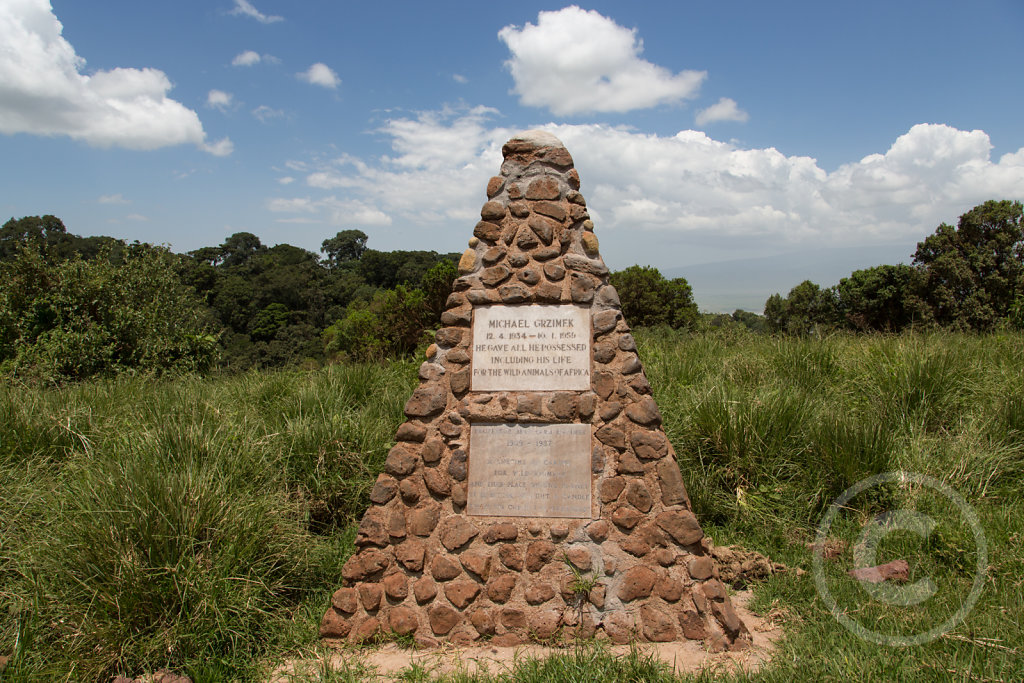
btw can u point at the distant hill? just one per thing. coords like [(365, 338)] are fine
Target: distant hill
[(724, 286)]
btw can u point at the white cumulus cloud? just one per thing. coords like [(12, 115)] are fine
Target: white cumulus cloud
[(646, 192), (247, 58), (246, 9), (320, 74), (218, 99), (725, 109), (441, 162), (575, 61), (252, 58), (43, 90)]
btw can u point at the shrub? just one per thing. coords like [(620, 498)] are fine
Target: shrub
[(391, 325), (74, 319)]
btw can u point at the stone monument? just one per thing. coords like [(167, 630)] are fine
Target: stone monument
[(532, 494)]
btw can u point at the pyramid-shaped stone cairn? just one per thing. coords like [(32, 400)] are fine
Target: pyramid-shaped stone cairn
[(532, 493)]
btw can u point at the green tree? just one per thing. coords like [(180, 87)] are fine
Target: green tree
[(386, 269), (752, 321), (346, 246), (265, 324), (808, 309), (437, 285), (73, 318), (239, 248), (973, 272), (40, 232), (882, 298), (48, 235), (775, 313), (391, 325), (648, 298)]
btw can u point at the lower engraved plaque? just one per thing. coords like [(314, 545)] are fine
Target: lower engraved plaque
[(529, 470)]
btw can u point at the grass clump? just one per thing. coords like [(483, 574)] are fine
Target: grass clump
[(191, 524)]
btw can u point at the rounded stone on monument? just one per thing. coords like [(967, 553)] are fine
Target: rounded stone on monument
[(461, 592), (424, 590), (544, 624), (442, 619), (538, 554), (499, 589), (402, 620), (411, 554), (467, 263), (335, 625), (370, 595), (483, 621), (635, 546), (495, 185), (658, 626), (637, 582), (626, 518), (638, 496), (345, 600), (367, 630), (510, 556)]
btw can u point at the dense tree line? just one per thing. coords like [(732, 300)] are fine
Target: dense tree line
[(75, 307), (279, 305), (241, 303), (967, 277)]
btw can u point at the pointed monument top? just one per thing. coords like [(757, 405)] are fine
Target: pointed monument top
[(536, 145), (538, 138)]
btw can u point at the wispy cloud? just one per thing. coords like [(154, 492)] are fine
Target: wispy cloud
[(459, 78), (112, 199), (331, 210), (246, 9), (265, 113), (320, 74)]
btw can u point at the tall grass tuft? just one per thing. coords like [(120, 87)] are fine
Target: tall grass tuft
[(193, 524)]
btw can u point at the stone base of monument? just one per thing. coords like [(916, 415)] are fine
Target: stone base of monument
[(532, 494), (389, 660)]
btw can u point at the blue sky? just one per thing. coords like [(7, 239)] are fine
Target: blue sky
[(751, 144)]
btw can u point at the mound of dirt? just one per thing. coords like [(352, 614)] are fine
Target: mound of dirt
[(739, 567)]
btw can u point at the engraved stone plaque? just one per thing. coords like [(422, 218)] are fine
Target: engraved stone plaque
[(531, 348), (529, 470)]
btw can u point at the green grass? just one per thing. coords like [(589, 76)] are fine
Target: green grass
[(194, 524), (201, 524)]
